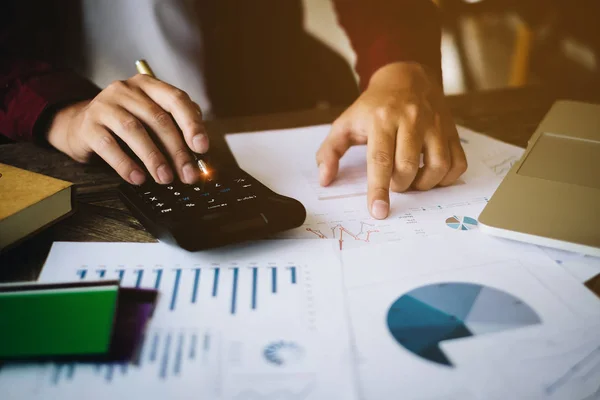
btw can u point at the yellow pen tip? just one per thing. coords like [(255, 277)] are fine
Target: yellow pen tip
[(203, 167), (144, 68)]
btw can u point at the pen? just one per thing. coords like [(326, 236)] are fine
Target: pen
[(143, 68)]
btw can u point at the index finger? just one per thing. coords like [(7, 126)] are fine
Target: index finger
[(380, 163), (186, 113)]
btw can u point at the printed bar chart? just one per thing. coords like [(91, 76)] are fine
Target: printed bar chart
[(165, 352), (186, 285), (216, 312), (196, 283), (254, 278), (215, 282), (234, 289)]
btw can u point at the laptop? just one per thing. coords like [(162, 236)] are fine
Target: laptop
[(551, 197)]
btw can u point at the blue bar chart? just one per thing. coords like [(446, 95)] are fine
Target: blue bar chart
[(214, 316), (166, 353), (189, 286)]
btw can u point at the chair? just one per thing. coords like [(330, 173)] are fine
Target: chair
[(532, 13)]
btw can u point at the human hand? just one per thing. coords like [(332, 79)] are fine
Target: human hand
[(124, 109), (400, 115)]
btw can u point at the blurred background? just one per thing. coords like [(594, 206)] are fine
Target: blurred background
[(491, 44), (269, 56)]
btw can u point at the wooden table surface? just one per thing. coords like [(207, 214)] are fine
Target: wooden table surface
[(510, 115)]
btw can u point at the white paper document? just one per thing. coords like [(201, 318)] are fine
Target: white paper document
[(259, 321), (420, 305), (491, 158), (405, 298), (285, 161), (582, 267), (534, 363)]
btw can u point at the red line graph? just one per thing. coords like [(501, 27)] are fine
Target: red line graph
[(319, 234), (352, 235), (363, 235)]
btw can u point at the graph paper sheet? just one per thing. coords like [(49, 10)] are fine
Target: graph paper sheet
[(285, 161), (246, 322)]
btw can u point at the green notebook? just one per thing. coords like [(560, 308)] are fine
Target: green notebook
[(77, 319)]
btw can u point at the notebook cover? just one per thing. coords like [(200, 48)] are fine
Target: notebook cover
[(57, 321), (77, 321), (20, 189)]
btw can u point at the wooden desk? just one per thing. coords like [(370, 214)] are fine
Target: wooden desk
[(510, 115)]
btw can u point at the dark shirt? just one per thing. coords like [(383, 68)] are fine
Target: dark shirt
[(32, 86)]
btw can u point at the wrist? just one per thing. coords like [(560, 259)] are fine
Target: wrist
[(58, 122), (403, 75)]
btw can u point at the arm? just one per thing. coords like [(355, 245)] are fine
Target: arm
[(39, 101), (30, 93), (401, 113), (386, 31), (45, 104), (31, 89)]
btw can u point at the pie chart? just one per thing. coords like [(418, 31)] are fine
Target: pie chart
[(461, 223), (420, 319)]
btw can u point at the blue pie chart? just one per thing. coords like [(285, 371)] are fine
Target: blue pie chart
[(420, 319), (461, 223)]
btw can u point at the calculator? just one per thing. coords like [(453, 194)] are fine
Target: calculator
[(228, 207)]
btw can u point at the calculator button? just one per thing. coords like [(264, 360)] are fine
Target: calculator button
[(188, 208), (212, 186), (159, 206), (241, 181), (186, 203), (177, 193), (246, 198), (144, 189), (217, 206), (154, 200), (225, 194)]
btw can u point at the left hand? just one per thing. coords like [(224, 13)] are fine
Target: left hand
[(401, 115)]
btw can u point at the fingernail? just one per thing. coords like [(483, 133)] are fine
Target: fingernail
[(380, 209), (322, 174), (200, 143), (189, 172), (164, 174), (137, 177)]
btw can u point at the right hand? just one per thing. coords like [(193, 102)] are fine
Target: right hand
[(123, 109)]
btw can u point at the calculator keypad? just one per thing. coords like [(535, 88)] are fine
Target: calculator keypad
[(179, 200)]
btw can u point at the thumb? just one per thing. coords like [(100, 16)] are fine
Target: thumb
[(328, 156)]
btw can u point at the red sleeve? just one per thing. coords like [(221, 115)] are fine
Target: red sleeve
[(386, 31), (31, 89)]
